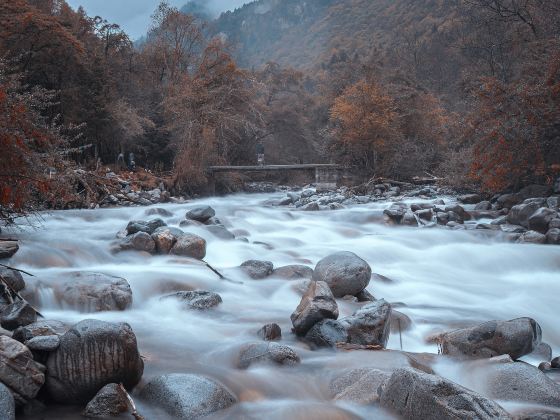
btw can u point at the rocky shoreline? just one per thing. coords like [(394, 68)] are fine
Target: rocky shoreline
[(44, 361)]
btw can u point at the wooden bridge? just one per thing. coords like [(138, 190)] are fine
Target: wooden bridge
[(326, 174)]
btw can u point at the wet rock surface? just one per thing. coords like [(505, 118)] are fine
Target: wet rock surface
[(270, 332), (91, 355), (359, 386), (268, 353), (327, 333), (187, 396), (196, 299), (7, 403), (110, 401), (344, 272), (189, 245), (201, 213), (369, 325), (257, 270), (317, 304)]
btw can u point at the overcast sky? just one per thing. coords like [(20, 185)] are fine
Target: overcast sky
[(134, 15)]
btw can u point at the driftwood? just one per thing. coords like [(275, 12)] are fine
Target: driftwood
[(16, 269), (131, 404), (220, 275), (348, 346)]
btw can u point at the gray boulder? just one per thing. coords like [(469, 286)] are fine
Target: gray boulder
[(541, 218), (469, 199), (317, 304), (18, 370), (369, 325), (189, 245), (201, 213), (344, 272), (12, 278), (520, 214), (460, 214), (532, 237), (553, 203), (359, 386), (197, 299), (44, 327), (257, 270), (165, 238), (139, 241), (413, 394), (516, 337), (269, 352), (148, 227), (17, 314), (91, 355), (507, 201), (7, 403), (553, 236), (108, 402), (483, 205), (409, 219), (187, 396), (158, 211), (8, 248), (44, 343), (555, 363), (326, 333), (220, 232), (96, 292), (270, 332), (293, 272), (396, 212)]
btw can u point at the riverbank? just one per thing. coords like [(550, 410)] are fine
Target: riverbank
[(435, 280)]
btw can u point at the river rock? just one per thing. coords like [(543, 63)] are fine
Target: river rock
[(507, 201), (326, 333), (516, 337), (270, 332), (553, 236), (521, 382), (7, 403), (165, 238), (541, 218), (139, 241), (359, 386), (44, 327), (197, 299), (409, 219), (91, 355), (293, 272), (396, 212), (159, 211), (555, 363), (17, 314), (520, 214), (483, 205), (469, 199), (553, 203), (201, 213), (44, 343), (369, 325), (344, 272), (189, 245), (317, 304), (109, 401), (221, 232), (187, 396), (269, 352), (18, 370), (413, 394), (12, 278), (96, 292), (8, 248), (257, 270), (532, 237), (365, 296), (148, 227), (456, 213)]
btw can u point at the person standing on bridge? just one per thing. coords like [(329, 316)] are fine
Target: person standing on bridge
[(260, 154)]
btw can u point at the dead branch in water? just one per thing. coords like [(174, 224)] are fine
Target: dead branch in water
[(348, 346), (16, 269), (220, 275), (131, 404)]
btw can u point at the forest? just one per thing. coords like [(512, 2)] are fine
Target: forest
[(465, 90)]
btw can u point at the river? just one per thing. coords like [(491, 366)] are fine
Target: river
[(441, 279)]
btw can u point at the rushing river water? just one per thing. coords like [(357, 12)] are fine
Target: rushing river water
[(442, 279)]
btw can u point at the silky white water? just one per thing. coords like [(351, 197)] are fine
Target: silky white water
[(442, 279)]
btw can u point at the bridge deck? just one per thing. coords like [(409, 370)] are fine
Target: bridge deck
[(258, 168)]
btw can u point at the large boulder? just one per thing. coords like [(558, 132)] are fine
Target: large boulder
[(507, 201), (553, 236), (139, 241), (344, 272), (91, 355), (521, 213), (257, 270), (520, 382), (269, 352), (359, 386), (189, 245), (201, 213), (369, 325), (95, 292), (532, 237), (326, 333), (108, 402), (541, 218), (317, 304), (413, 394), (8, 248), (470, 199), (396, 212), (12, 278), (18, 370), (187, 396), (7, 403), (293, 272), (197, 299), (516, 337)]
